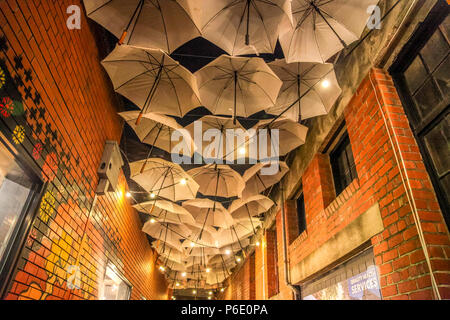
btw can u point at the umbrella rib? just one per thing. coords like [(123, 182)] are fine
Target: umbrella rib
[(165, 27), (138, 11), (236, 2), (100, 7), (132, 79), (176, 92), (263, 23)]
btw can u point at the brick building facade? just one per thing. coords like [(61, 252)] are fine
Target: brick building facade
[(64, 110)]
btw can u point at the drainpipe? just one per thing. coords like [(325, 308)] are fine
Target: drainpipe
[(295, 289)]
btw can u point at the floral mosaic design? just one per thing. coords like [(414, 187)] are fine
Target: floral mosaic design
[(46, 209), (18, 135), (50, 167), (2, 78), (6, 107)]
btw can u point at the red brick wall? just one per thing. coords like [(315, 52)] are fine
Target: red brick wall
[(398, 254), (241, 285), (64, 103), (403, 270)]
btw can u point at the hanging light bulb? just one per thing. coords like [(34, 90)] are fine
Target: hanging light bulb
[(128, 194), (210, 293), (194, 291), (183, 182), (192, 244), (209, 298), (162, 269), (242, 151), (238, 259), (325, 84), (208, 270), (227, 252), (258, 243), (152, 220), (152, 195), (177, 284), (184, 274), (222, 290)]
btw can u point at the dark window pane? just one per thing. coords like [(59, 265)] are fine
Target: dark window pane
[(435, 51), (415, 75), (445, 184), (438, 145), (343, 165), (442, 76), (301, 214), (427, 98)]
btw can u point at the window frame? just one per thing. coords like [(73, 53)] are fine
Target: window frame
[(340, 148), (422, 126), (115, 269), (301, 216), (16, 243)]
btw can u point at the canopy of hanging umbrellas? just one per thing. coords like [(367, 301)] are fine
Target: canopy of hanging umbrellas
[(203, 220)]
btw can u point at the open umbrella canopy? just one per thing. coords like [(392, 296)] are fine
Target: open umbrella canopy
[(157, 130), (209, 213), (309, 89), (237, 86), (291, 135), (164, 179), (152, 80), (257, 182), (218, 181), (322, 28), (172, 234), (200, 237), (244, 26), (162, 24), (245, 208), (166, 211), (168, 252), (220, 137)]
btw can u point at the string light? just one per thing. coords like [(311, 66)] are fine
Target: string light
[(192, 244), (152, 220), (128, 195), (183, 182), (258, 243), (194, 291), (325, 84), (242, 151), (177, 284), (227, 252), (210, 293), (209, 298), (184, 274), (238, 259), (208, 270), (222, 290), (162, 269), (152, 195)]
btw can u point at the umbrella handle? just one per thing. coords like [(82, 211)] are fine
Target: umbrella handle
[(122, 38), (139, 118)]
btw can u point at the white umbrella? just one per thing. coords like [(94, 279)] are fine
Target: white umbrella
[(166, 232), (168, 252), (209, 213), (218, 181), (309, 89), (152, 80), (245, 208), (291, 135), (157, 130), (223, 146), (162, 24), (166, 211), (256, 182), (244, 26), (164, 179), (200, 237), (237, 86), (322, 28)]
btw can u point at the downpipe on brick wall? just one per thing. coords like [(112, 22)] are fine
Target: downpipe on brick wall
[(287, 273), (408, 190)]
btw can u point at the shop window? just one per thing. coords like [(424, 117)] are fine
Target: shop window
[(114, 287), (343, 164), (422, 76), (19, 197), (301, 214)]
